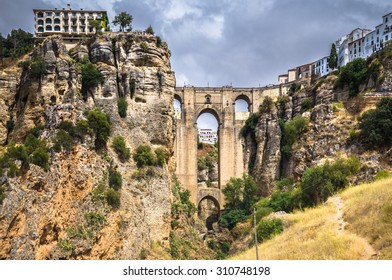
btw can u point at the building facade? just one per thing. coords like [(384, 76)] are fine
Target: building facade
[(207, 135), (68, 22), (321, 67)]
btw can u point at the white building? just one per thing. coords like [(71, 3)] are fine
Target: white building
[(353, 46), (67, 22), (321, 67), (207, 135)]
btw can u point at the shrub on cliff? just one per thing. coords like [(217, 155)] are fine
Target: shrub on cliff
[(122, 106), (376, 125), (91, 77), (115, 179), (99, 123), (352, 75), (250, 125), (240, 196), (121, 149), (2, 194), (320, 182), (267, 229), (143, 156), (291, 132)]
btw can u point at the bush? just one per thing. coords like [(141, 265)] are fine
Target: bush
[(121, 149), (263, 212), (99, 194), (113, 198), (143, 156), (382, 174), (250, 125), (95, 220), (352, 75), (267, 229), (291, 132), (282, 201), (63, 141), (149, 30), (320, 182), (115, 179), (240, 194), (91, 77), (122, 107), (38, 67), (82, 129), (99, 122), (267, 105), (162, 156), (229, 219), (40, 157), (306, 104), (144, 46), (294, 88), (159, 41), (376, 125)]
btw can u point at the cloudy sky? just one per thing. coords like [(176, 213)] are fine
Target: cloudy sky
[(228, 42)]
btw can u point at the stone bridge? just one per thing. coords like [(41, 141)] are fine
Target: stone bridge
[(220, 103)]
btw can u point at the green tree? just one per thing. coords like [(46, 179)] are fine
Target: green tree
[(376, 125), (18, 43), (122, 106), (353, 75), (99, 122), (96, 24), (124, 20), (240, 195), (143, 156), (333, 58), (91, 77), (149, 30)]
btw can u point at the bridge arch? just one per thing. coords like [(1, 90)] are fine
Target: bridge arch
[(208, 213), (245, 98), (208, 109)]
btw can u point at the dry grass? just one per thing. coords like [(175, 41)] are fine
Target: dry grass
[(368, 210), (313, 234)]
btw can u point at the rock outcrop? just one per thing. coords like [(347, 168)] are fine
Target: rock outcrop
[(43, 212)]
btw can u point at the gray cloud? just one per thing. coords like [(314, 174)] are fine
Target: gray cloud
[(245, 43)]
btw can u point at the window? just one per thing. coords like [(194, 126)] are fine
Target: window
[(66, 29), (48, 21), (57, 21), (208, 99), (48, 14), (386, 38), (57, 28), (57, 14), (40, 22), (48, 28), (40, 29), (74, 29), (40, 15)]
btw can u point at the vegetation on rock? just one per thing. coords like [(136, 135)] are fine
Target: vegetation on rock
[(100, 124), (121, 149), (124, 20), (91, 77), (376, 125)]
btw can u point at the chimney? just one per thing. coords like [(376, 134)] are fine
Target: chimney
[(69, 7)]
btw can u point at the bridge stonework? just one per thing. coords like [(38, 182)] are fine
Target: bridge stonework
[(219, 102)]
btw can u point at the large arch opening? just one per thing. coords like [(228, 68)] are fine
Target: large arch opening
[(208, 210), (208, 163), (242, 108)]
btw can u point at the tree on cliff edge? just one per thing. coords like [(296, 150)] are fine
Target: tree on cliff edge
[(124, 20), (333, 58)]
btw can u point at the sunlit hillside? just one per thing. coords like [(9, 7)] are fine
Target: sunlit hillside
[(355, 224)]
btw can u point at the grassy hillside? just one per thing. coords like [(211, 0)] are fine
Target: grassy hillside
[(358, 227)]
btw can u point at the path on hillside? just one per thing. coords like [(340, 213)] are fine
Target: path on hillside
[(370, 253)]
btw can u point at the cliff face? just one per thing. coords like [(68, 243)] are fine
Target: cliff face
[(333, 116), (49, 214)]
